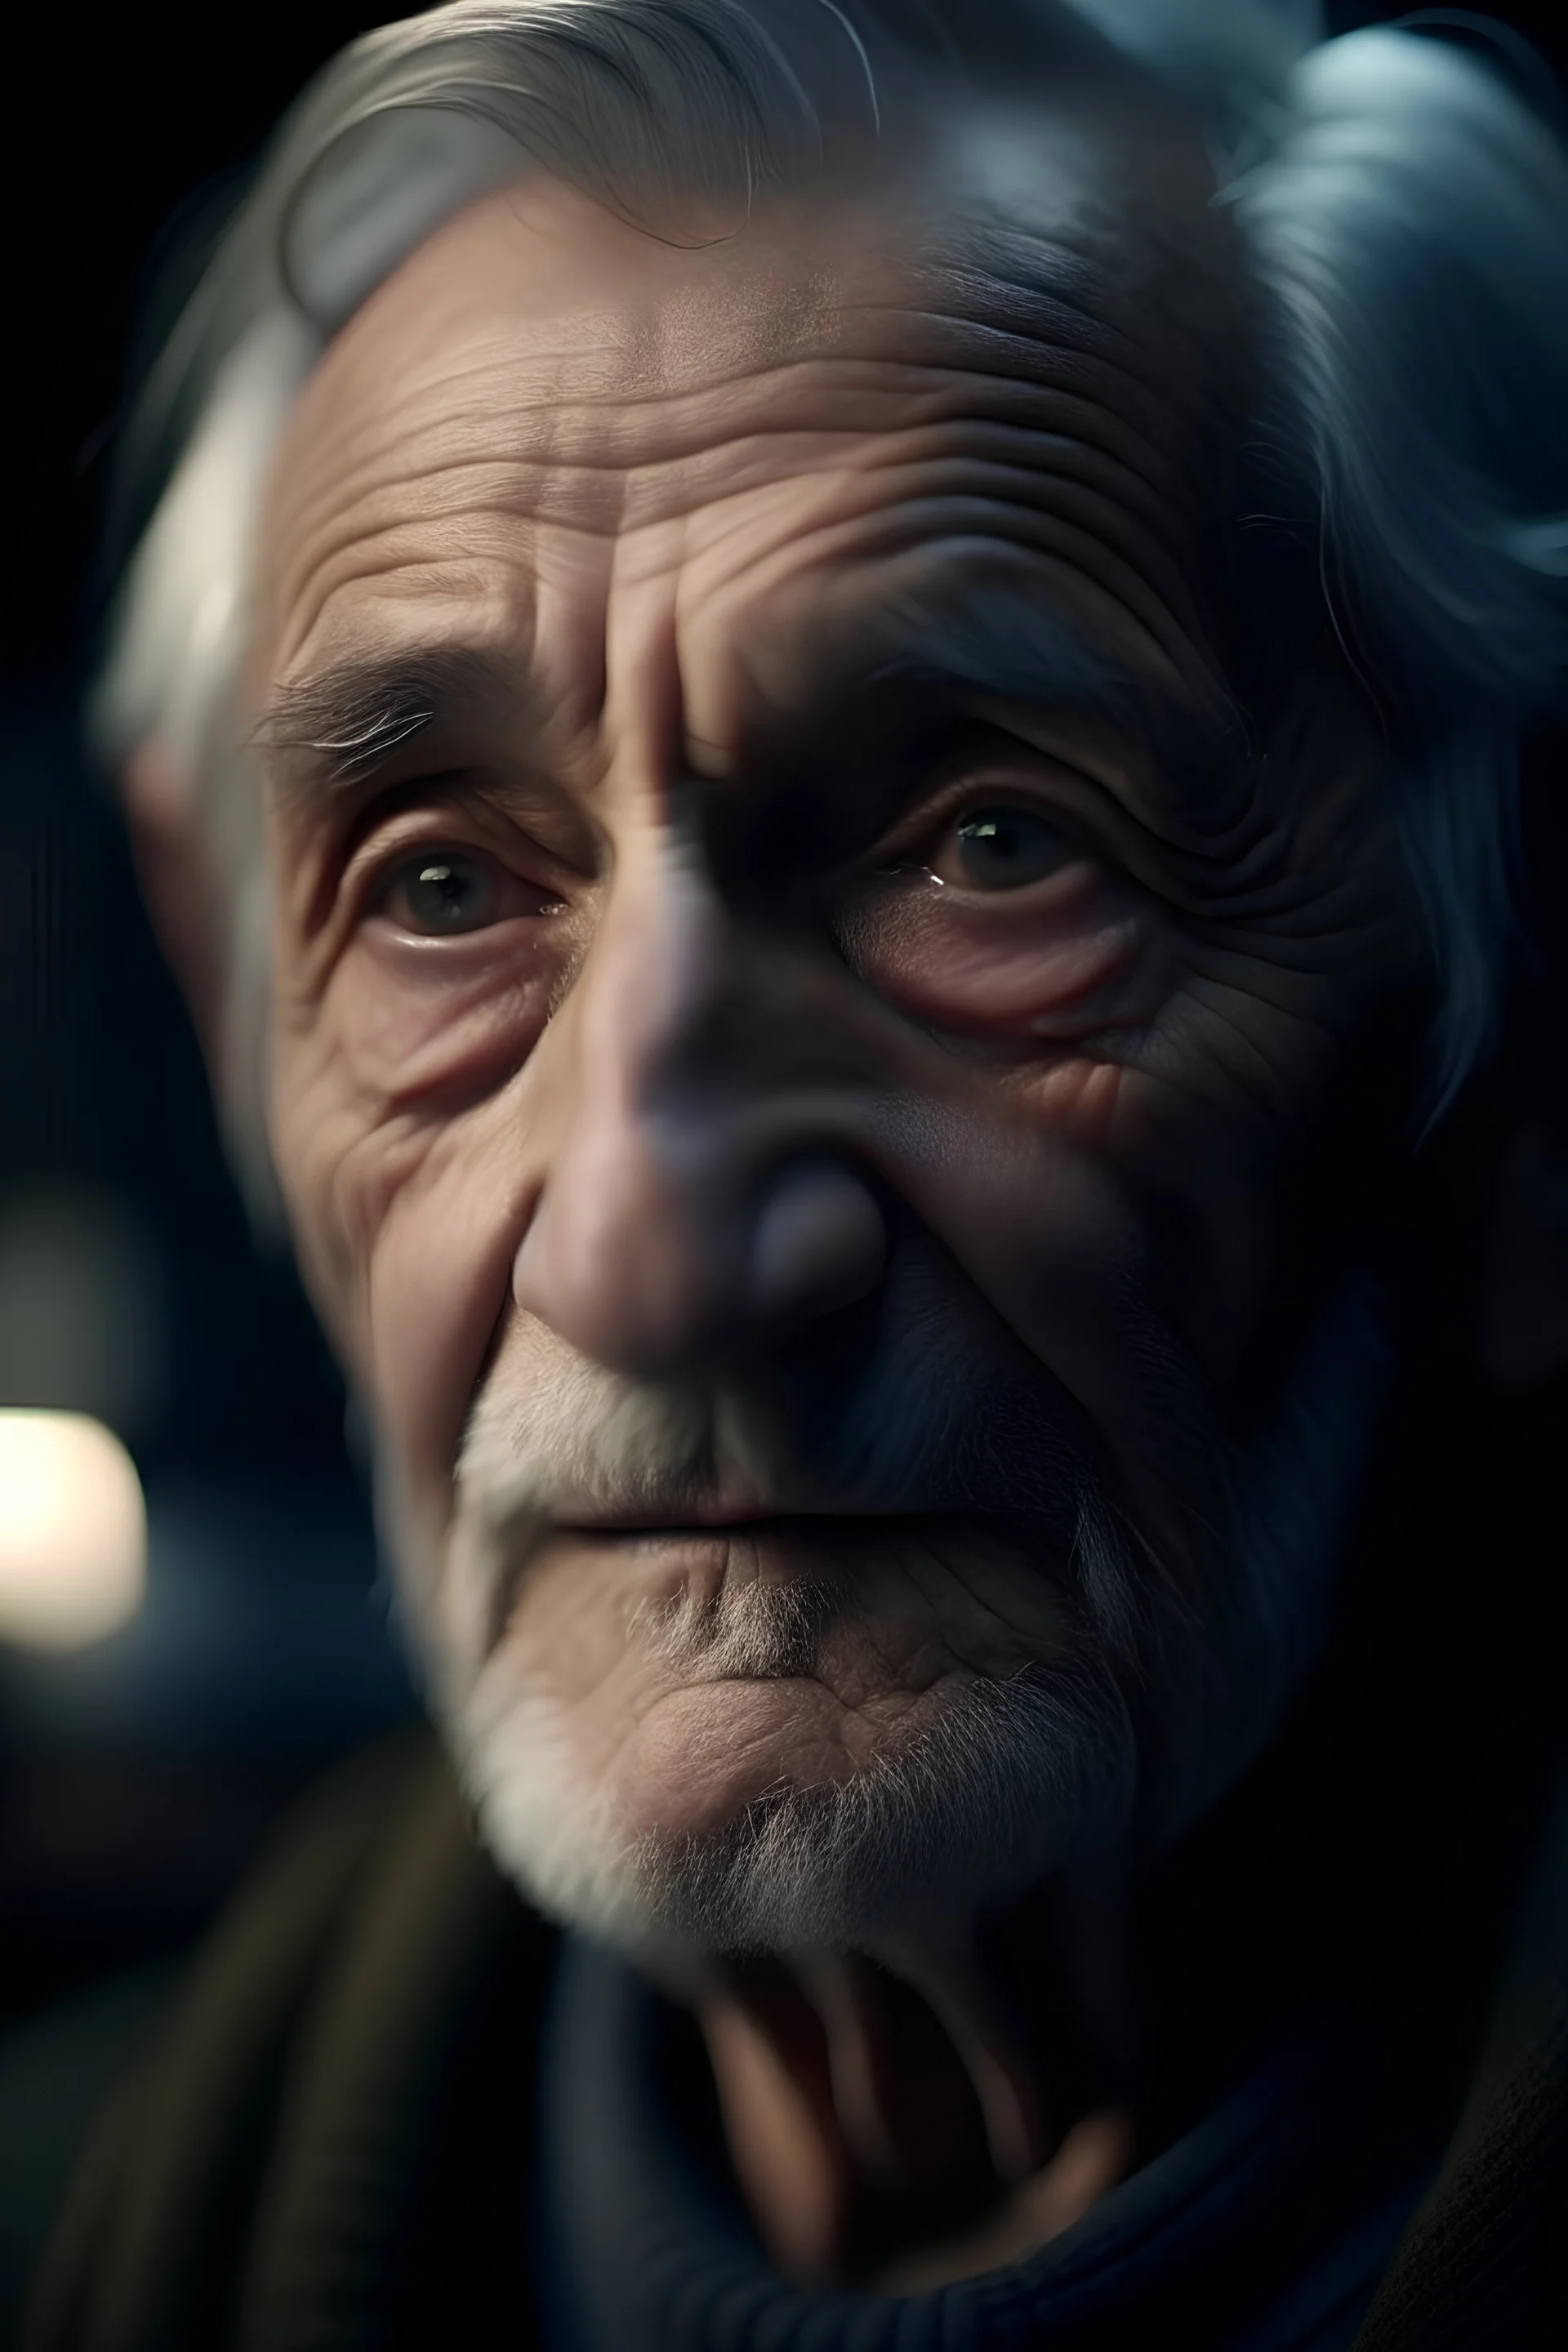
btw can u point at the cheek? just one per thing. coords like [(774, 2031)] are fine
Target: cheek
[(403, 1105), (438, 1289), (418, 1022)]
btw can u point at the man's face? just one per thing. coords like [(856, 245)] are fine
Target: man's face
[(802, 1026)]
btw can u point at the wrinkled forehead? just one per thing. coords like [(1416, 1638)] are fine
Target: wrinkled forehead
[(1033, 283), (1031, 242)]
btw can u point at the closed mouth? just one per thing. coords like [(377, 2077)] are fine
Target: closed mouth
[(700, 1525), (681, 1519), (688, 1528)]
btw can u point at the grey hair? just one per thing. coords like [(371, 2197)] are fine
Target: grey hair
[(1403, 207)]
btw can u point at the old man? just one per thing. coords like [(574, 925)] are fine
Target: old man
[(823, 703)]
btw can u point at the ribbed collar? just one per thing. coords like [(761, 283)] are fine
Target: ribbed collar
[(1264, 2229)]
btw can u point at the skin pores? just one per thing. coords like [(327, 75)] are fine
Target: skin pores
[(802, 1018)]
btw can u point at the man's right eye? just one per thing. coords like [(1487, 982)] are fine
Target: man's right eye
[(445, 891)]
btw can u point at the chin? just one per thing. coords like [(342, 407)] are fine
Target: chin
[(742, 1819), (799, 1731)]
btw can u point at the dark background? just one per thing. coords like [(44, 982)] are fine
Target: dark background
[(135, 1779)]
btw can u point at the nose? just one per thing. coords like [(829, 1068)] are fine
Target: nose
[(704, 1200)]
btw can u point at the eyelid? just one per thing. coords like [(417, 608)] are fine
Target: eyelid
[(435, 825), (982, 784)]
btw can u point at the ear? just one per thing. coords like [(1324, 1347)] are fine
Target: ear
[(1522, 1335), (176, 880)]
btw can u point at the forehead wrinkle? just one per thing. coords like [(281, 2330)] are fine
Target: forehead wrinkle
[(577, 485), (814, 391), (1042, 475), (730, 563), (396, 447), (993, 642), (1111, 402), (726, 566), (631, 368), (863, 472), (734, 574)]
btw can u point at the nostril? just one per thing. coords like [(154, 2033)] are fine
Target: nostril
[(819, 1242)]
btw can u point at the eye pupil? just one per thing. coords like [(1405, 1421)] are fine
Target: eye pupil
[(1004, 848), (442, 893)]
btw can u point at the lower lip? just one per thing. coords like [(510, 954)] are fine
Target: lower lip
[(780, 1550)]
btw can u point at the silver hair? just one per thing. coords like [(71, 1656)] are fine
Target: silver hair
[(1401, 204)]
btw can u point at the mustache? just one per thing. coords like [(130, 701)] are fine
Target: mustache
[(578, 1445), (922, 1404), (593, 1448), (919, 1402), (898, 1431)]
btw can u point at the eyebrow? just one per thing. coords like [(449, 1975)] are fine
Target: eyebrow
[(1001, 645), (336, 730), (340, 727)]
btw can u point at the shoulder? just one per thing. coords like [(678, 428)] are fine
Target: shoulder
[(305, 2112), (56, 2069)]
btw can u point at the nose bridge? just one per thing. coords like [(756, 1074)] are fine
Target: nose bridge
[(666, 970), (693, 1204)]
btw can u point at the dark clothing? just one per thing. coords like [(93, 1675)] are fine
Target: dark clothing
[(326, 2141), (335, 2138), (1226, 2240)]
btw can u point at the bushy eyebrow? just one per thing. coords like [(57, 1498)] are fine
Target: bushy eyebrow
[(336, 730), (997, 645), (338, 727)]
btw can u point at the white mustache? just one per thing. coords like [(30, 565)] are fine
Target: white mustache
[(555, 1439), (587, 1446), (584, 1446)]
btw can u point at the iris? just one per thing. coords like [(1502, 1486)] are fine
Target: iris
[(442, 892), (1004, 849)]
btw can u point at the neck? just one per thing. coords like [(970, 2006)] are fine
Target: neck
[(856, 2105), (901, 2130)]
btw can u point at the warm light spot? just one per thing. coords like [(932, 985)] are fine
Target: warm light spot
[(73, 1531)]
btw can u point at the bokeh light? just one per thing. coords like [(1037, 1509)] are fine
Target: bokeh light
[(73, 1531)]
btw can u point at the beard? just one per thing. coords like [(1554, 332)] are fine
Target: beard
[(1141, 1671)]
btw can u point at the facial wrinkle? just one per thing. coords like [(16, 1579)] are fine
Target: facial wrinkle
[(927, 1755)]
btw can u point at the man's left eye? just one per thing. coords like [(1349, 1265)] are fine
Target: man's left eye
[(1000, 848), (443, 891)]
